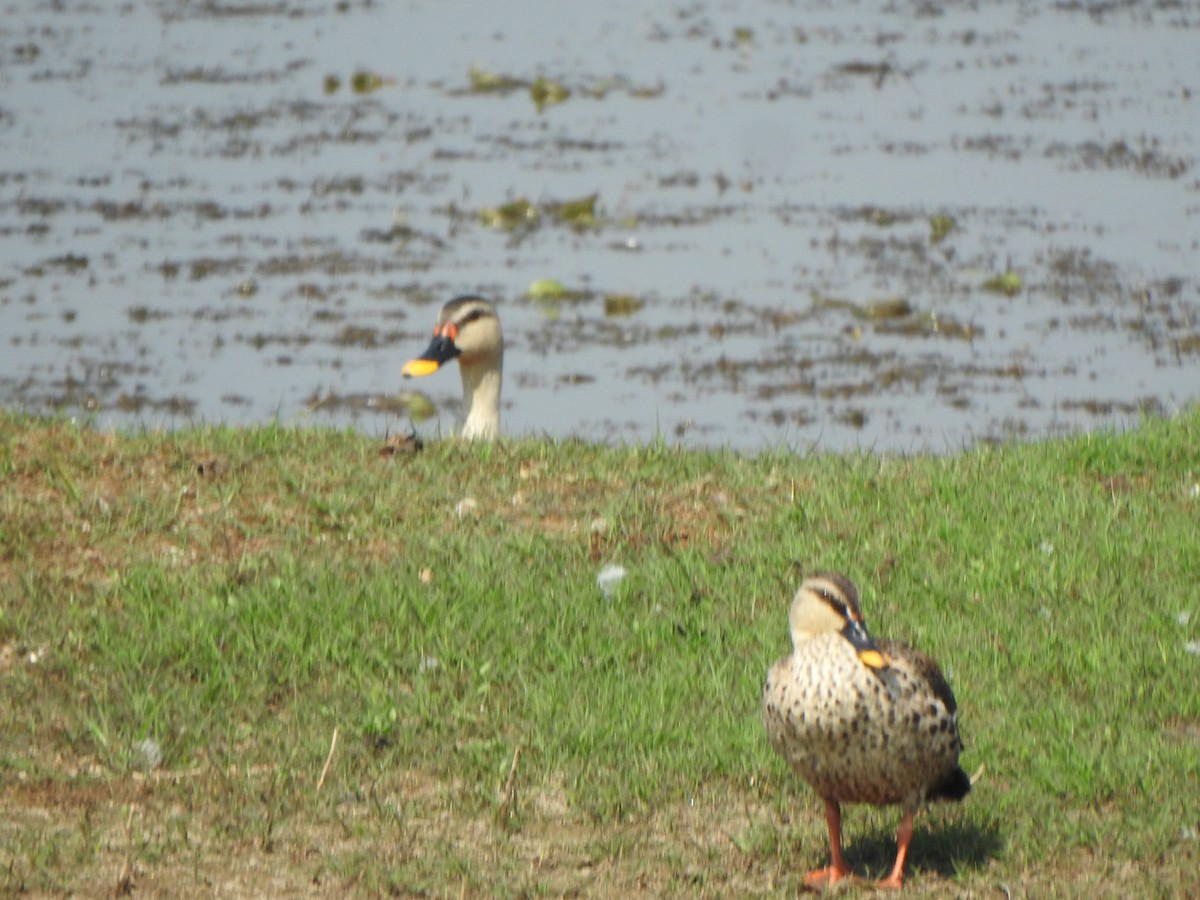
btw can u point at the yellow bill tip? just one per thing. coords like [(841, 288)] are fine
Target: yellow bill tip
[(415, 368), (874, 659)]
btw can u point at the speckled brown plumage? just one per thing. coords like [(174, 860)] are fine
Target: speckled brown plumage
[(858, 727)]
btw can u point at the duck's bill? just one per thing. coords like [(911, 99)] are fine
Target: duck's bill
[(415, 368), (440, 350), (868, 654)]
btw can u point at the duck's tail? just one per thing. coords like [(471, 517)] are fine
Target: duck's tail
[(954, 786)]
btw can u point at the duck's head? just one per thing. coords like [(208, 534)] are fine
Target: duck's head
[(828, 602), (467, 330)]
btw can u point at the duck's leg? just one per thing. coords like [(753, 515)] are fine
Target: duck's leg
[(904, 835), (837, 868)]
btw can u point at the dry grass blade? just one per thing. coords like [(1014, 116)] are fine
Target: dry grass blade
[(328, 761), (508, 800)]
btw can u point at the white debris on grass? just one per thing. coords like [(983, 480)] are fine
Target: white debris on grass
[(608, 579), (147, 755)]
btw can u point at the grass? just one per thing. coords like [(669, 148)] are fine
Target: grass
[(226, 599)]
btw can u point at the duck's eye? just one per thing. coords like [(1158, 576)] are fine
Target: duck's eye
[(836, 602)]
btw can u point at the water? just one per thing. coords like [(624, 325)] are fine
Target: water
[(196, 230)]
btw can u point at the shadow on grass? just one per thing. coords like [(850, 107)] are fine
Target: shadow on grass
[(943, 849)]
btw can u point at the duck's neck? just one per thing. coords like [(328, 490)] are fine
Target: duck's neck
[(481, 395)]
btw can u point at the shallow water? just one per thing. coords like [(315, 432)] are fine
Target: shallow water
[(197, 227)]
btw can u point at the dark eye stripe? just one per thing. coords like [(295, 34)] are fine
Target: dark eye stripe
[(474, 315), (836, 602)]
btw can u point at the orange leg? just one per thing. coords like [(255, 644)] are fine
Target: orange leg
[(904, 834), (837, 868)]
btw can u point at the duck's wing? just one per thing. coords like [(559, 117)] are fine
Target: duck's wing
[(924, 668)]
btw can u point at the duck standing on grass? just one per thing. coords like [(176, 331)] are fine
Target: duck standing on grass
[(468, 330), (859, 720)]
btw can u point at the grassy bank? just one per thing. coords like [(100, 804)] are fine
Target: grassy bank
[(188, 619)]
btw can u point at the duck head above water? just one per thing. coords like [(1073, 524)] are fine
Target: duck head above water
[(468, 330)]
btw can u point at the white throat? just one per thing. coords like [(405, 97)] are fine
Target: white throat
[(481, 394)]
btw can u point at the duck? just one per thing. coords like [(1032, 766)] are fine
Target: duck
[(860, 720), (468, 329)]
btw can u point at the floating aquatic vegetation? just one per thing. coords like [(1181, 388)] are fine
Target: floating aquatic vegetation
[(621, 304), (580, 213), (70, 262), (366, 82), (930, 325), (510, 216), (645, 92), (546, 289), (571, 378), (877, 72), (895, 315), (820, 302), (1009, 283), (202, 268), (139, 315), (332, 84), (545, 92), (940, 227), (520, 213), (485, 82), (602, 87), (1147, 158), (952, 328), (888, 308), (549, 293)]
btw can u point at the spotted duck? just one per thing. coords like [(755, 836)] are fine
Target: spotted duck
[(862, 721), (468, 330)]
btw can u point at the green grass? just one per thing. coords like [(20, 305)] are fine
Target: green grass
[(237, 595)]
